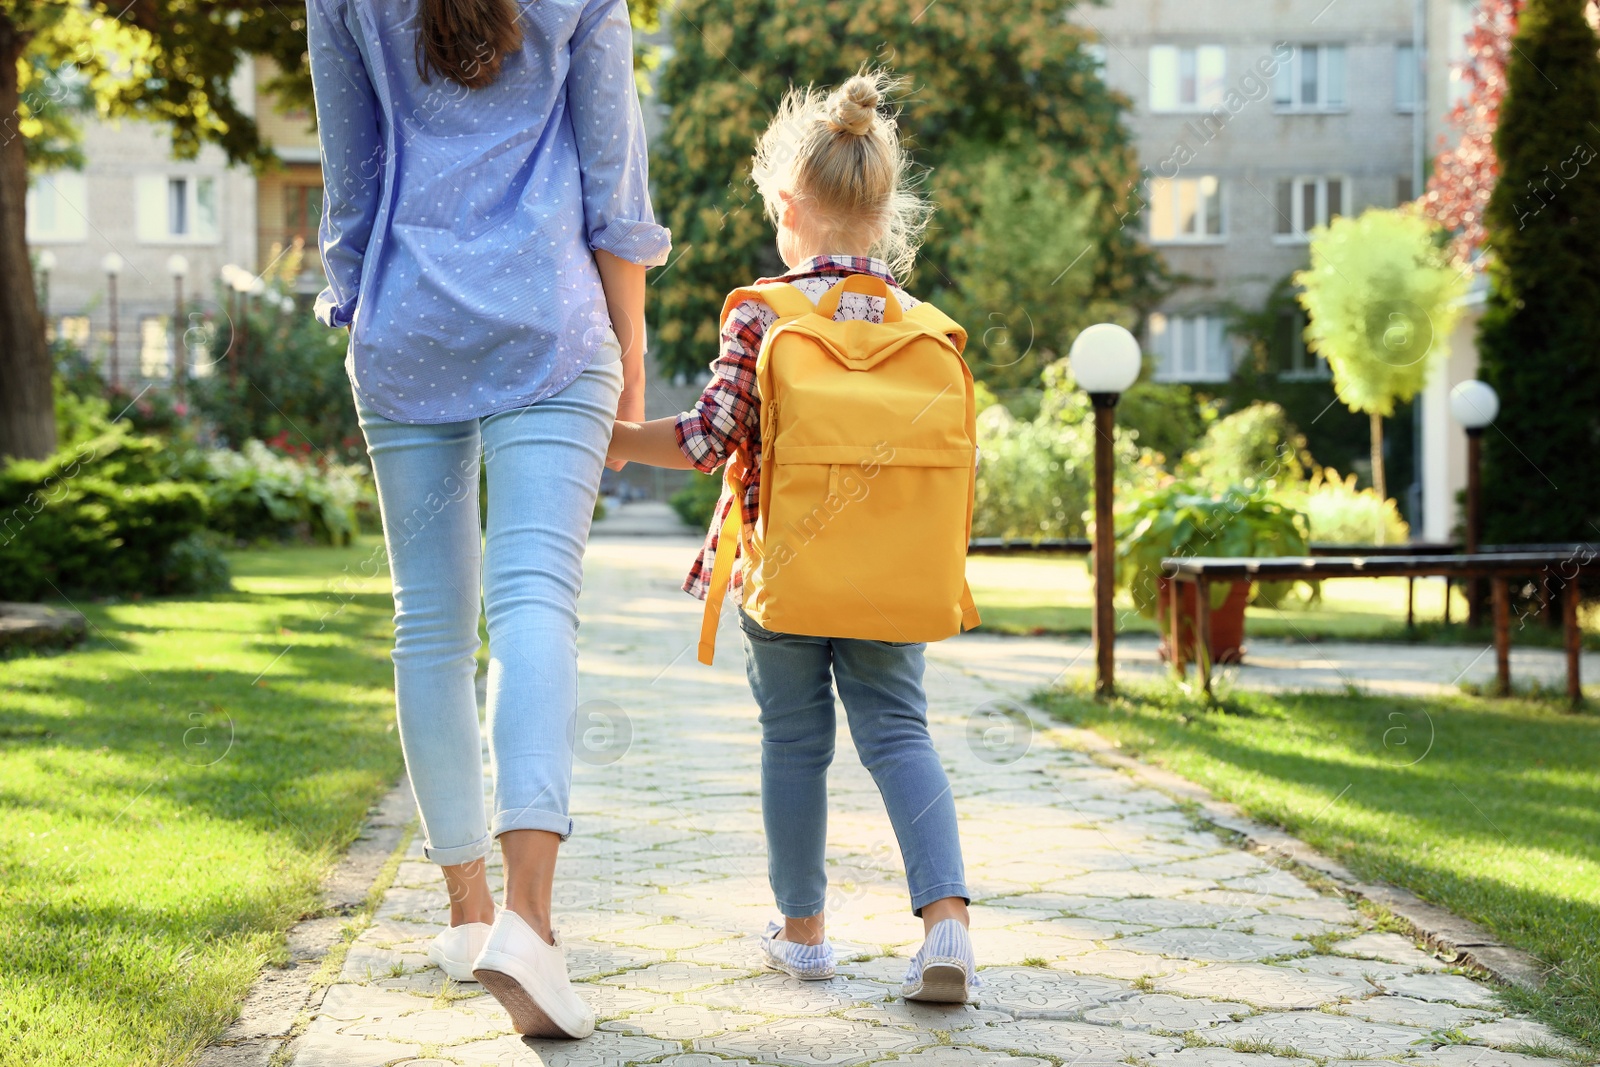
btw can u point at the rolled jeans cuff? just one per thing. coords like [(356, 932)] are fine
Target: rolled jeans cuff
[(533, 819), (939, 892), (451, 857), (801, 911)]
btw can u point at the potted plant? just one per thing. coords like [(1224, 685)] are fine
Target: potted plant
[(1184, 519)]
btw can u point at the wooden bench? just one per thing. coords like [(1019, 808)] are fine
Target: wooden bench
[(1558, 569)]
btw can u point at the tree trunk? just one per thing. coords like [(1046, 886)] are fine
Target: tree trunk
[(1378, 483), (27, 406)]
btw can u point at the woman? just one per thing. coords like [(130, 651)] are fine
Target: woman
[(486, 231)]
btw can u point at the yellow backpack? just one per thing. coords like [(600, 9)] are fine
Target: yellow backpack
[(868, 461)]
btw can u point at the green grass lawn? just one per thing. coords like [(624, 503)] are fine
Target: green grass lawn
[(1052, 594), (1490, 808), (171, 792)]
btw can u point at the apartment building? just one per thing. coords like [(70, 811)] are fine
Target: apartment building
[(1256, 122), (113, 242)]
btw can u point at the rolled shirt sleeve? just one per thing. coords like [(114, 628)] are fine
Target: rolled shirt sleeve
[(609, 130), (352, 155)]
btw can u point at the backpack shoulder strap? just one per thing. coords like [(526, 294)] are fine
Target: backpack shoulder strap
[(785, 299), (936, 321)]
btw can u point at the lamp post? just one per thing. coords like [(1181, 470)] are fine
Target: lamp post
[(1105, 360), (240, 283), (1474, 405), (112, 265), (47, 265), (178, 267)]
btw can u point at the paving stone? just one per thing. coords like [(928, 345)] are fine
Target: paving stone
[(325, 1048), (778, 994), (432, 1026), (682, 1022), (677, 977), (1318, 1034), (1347, 967), (803, 1042), (965, 1056), (1206, 944), (601, 1049), (1450, 987), (1406, 1011), (1032, 991), (1477, 1056), (1264, 985), (1156, 912), (1118, 963), (1226, 1057), (1390, 947), (1505, 1033), (1161, 1011), (915, 1015), (1077, 1043)]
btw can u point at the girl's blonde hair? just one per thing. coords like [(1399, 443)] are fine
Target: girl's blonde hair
[(839, 152)]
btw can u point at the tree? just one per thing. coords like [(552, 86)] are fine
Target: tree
[(1381, 296), (1001, 96), (1536, 340), (166, 60), (1464, 175)]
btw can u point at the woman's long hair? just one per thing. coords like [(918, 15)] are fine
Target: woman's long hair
[(466, 40)]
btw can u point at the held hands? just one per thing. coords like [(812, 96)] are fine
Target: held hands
[(630, 410)]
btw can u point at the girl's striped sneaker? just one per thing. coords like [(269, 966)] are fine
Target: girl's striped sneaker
[(943, 970), (810, 963)]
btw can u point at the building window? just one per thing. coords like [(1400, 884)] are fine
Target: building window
[(1190, 348), (1406, 78), (1404, 190), (1186, 209), (1299, 363), (302, 212), (1187, 78), (1312, 79), (155, 347), (176, 209), (58, 208), (74, 330), (1306, 203)]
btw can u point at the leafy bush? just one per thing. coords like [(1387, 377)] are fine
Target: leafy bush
[(287, 377), (697, 500), (104, 517), (1167, 417), (258, 494), (1341, 514), (1258, 446), (1036, 477)]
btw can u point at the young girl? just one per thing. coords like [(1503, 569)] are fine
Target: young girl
[(833, 175)]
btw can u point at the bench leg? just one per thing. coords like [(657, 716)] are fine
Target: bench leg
[(1573, 638), (1502, 635), (1175, 634), (1447, 587), (1411, 603), (1202, 636)]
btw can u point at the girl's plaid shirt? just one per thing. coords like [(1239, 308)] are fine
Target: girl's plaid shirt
[(728, 413)]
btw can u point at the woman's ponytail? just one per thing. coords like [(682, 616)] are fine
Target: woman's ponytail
[(466, 40)]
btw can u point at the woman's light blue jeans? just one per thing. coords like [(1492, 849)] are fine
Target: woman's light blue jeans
[(544, 463), (880, 683)]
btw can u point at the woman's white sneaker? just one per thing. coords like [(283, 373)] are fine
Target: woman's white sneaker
[(810, 963), (528, 976), (943, 970), (455, 950)]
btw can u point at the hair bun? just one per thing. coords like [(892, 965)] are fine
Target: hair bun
[(854, 106)]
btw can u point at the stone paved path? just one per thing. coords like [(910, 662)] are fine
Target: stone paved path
[(1109, 928)]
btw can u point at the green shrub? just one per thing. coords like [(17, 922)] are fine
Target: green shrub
[(1257, 446), (1341, 514), (257, 494), (1036, 476), (1166, 417), (104, 517), (697, 500)]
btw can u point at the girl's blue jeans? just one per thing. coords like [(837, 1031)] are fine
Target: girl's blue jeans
[(544, 463), (880, 683)]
